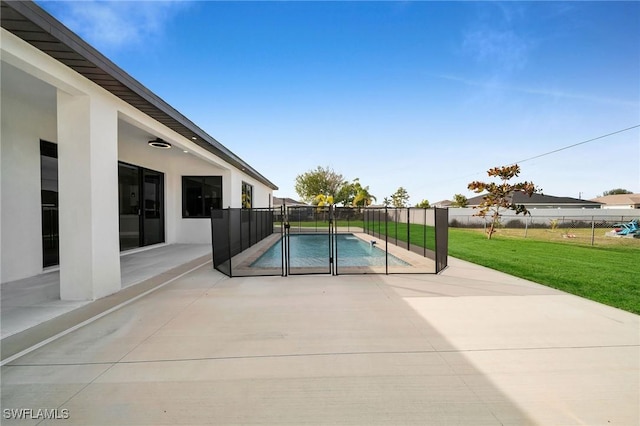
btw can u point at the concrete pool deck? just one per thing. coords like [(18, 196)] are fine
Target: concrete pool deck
[(470, 346)]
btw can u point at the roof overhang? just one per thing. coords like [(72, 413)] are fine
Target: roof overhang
[(34, 25)]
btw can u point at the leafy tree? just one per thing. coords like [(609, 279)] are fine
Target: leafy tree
[(386, 201), (346, 193), (424, 204), (500, 195), (322, 200), (400, 198), (460, 200), (362, 197), (616, 191), (319, 181), (354, 194)]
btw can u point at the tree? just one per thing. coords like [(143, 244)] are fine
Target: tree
[(460, 200), (354, 194), (424, 204), (616, 191), (386, 201), (362, 197), (322, 200), (500, 195), (400, 198), (346, 193), (319, 181)]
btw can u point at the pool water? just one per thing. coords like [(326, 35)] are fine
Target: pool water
[(312, 250)]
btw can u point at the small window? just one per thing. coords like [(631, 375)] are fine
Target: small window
[(201, 194), (247, 195)]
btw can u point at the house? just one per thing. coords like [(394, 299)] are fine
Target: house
[(297, 210), (619, 201), (94, 163), (541, 201), (289, 202), (443, 204)]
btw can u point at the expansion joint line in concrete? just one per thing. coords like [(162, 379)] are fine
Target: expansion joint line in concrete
[(275, 356)]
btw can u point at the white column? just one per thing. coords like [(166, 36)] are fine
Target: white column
[(88, 197)]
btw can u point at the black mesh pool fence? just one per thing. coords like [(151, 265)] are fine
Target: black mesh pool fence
[(420, 231)]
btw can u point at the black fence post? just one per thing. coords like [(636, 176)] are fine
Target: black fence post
[(213, 245), (424, 234), (395, 221), (386, 241), (229, 241), (409, 228), (441, 221)]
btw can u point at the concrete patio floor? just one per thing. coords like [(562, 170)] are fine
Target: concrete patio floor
[(470, 346), (31, 301)]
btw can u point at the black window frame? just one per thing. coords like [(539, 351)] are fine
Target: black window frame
[(212, 180)]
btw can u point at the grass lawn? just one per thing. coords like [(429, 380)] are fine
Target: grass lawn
[(608, 274)]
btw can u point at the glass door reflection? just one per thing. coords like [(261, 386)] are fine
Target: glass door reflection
[(129, 205)]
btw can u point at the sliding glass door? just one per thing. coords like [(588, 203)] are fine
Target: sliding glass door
[(141, 206), (153, 201)]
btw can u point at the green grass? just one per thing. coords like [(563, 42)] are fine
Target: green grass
[(417, 231), (610, 275)]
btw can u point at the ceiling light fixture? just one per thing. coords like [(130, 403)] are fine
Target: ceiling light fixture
[(159, 143)]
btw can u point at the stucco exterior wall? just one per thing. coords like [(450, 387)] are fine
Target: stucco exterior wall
[(41, 99), (28, 115)]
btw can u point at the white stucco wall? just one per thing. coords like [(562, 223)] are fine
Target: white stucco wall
[(30, 112), (88, 196), (136, 129), (28, 115), (617, 207), (174, 164)]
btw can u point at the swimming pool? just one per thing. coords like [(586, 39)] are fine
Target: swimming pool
[(312, 250)]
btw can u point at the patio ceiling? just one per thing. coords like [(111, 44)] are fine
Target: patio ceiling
[(28, 21)]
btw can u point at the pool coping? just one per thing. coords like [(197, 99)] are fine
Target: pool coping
[(418, 264)]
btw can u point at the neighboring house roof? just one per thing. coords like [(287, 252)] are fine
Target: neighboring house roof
[(631, 200), (443, 203), (34, 25), (541, 200), (287, 201)]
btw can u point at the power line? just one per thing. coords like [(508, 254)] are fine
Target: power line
[(546, 153), (575, 144)]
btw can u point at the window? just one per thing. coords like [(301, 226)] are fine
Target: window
[(200, 194), (247, 195), (49, 202)]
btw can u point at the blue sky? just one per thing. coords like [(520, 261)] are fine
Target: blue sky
[(424, 95)]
